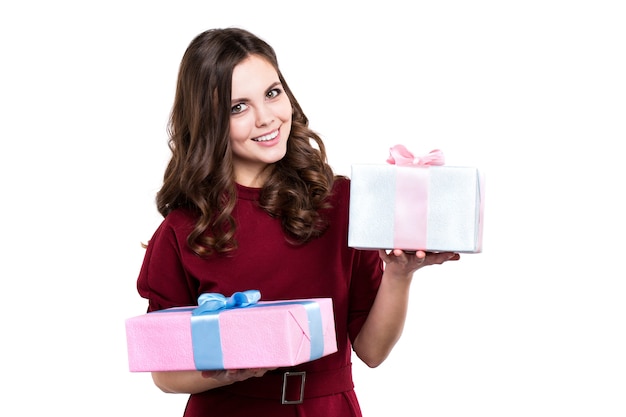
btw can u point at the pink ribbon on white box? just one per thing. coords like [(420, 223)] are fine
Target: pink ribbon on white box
[(411, 204), (400, 155)]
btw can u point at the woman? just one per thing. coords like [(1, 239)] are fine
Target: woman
[(250, 202)]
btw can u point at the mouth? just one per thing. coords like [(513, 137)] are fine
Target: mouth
[(266, 138)]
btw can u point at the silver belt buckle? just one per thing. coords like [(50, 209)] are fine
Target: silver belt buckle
[(287, 375)]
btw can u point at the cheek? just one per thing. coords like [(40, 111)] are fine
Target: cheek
[(239, 131), (285, 117), (285, 110), (287, 114)]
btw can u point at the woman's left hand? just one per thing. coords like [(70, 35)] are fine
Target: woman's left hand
[(408, 262)]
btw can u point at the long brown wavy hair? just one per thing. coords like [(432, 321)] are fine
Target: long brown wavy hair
[(200, 175)]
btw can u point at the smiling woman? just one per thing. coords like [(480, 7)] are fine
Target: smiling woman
[(250, 202), (533, 92)]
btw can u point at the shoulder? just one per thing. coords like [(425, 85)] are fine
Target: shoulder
[(339, 198), (179, 222), (341, 187), (180, 217)]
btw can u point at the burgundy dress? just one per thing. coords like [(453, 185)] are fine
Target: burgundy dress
[(172, 275)]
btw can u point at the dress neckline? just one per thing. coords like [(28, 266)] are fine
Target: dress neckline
[(248, 193)]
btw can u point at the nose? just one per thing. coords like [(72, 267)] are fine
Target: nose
[(264, 116)]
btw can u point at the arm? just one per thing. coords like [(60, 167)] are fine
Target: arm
[(193, 382), (385, 322)]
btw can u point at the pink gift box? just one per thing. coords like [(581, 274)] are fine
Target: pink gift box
[(267, 334)]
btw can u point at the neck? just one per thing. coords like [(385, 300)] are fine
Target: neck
[(253, 180)]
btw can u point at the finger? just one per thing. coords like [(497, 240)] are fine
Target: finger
[(382, 254), (451, 256), (440, 258), (420, 255)]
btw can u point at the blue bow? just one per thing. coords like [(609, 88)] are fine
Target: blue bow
[(209, 302)]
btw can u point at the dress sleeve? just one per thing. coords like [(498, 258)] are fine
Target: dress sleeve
[(367, 273), (162, 278)]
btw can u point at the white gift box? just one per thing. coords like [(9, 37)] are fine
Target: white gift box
[(417, 207)]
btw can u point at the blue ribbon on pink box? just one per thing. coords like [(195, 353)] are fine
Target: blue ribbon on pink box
[(205, 328)]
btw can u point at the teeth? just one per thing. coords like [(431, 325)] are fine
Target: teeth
[(265, 138)]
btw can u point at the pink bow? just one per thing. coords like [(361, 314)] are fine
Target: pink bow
[(400, 155)]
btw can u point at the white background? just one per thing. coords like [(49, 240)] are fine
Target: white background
[(531, 92)]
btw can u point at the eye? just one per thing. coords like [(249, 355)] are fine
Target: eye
[(238, 108), (274, 92)]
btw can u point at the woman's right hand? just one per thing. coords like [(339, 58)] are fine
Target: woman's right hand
[(194, 382), (229, 376)]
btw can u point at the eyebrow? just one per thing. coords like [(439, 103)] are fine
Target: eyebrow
[(240, 100)]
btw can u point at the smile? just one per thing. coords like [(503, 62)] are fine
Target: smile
[(267, 137)]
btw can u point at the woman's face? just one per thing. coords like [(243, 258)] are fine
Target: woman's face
[(260, 120)]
